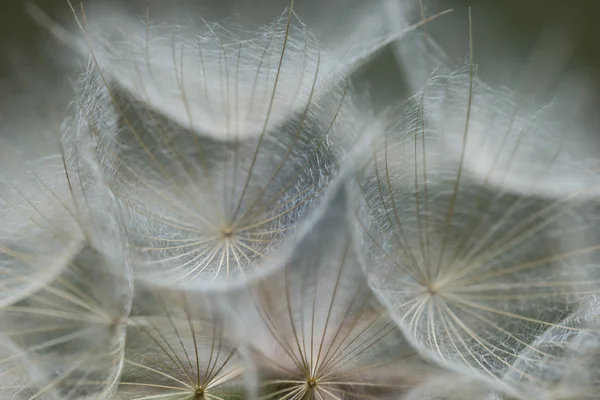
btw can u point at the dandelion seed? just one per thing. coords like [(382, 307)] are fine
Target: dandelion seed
[(460, 262), (64, 280), (72, 330), (515, 143), (229, 80), (218, 80), (318, 333), (472, 273), (174, 352), (197, 209)]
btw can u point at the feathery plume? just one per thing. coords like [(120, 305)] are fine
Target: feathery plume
[(196, 209), (39, 235), (229, 80), (65, 281), (72, 330), (318, 332), (515, 146), (472, 273), (526, 139), (177, 349), (211, 160), (219, 80)]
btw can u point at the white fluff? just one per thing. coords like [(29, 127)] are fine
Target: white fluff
[(564, 361), (317, 330), (526, 139), (473, 273), (177, 349), (39, 233), (514, 146), (196, 209), (72, 331)]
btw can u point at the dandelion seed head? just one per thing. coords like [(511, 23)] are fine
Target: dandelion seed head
[(72, 330), (199, 207), (283, 242), (318, 330), (175, 348), (473, 273)]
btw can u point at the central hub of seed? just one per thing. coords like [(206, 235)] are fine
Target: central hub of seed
[(433, 288), (311, 382), (227, 232), (199, 394)]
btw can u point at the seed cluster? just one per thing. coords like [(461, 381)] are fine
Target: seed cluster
[(222, 215)]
